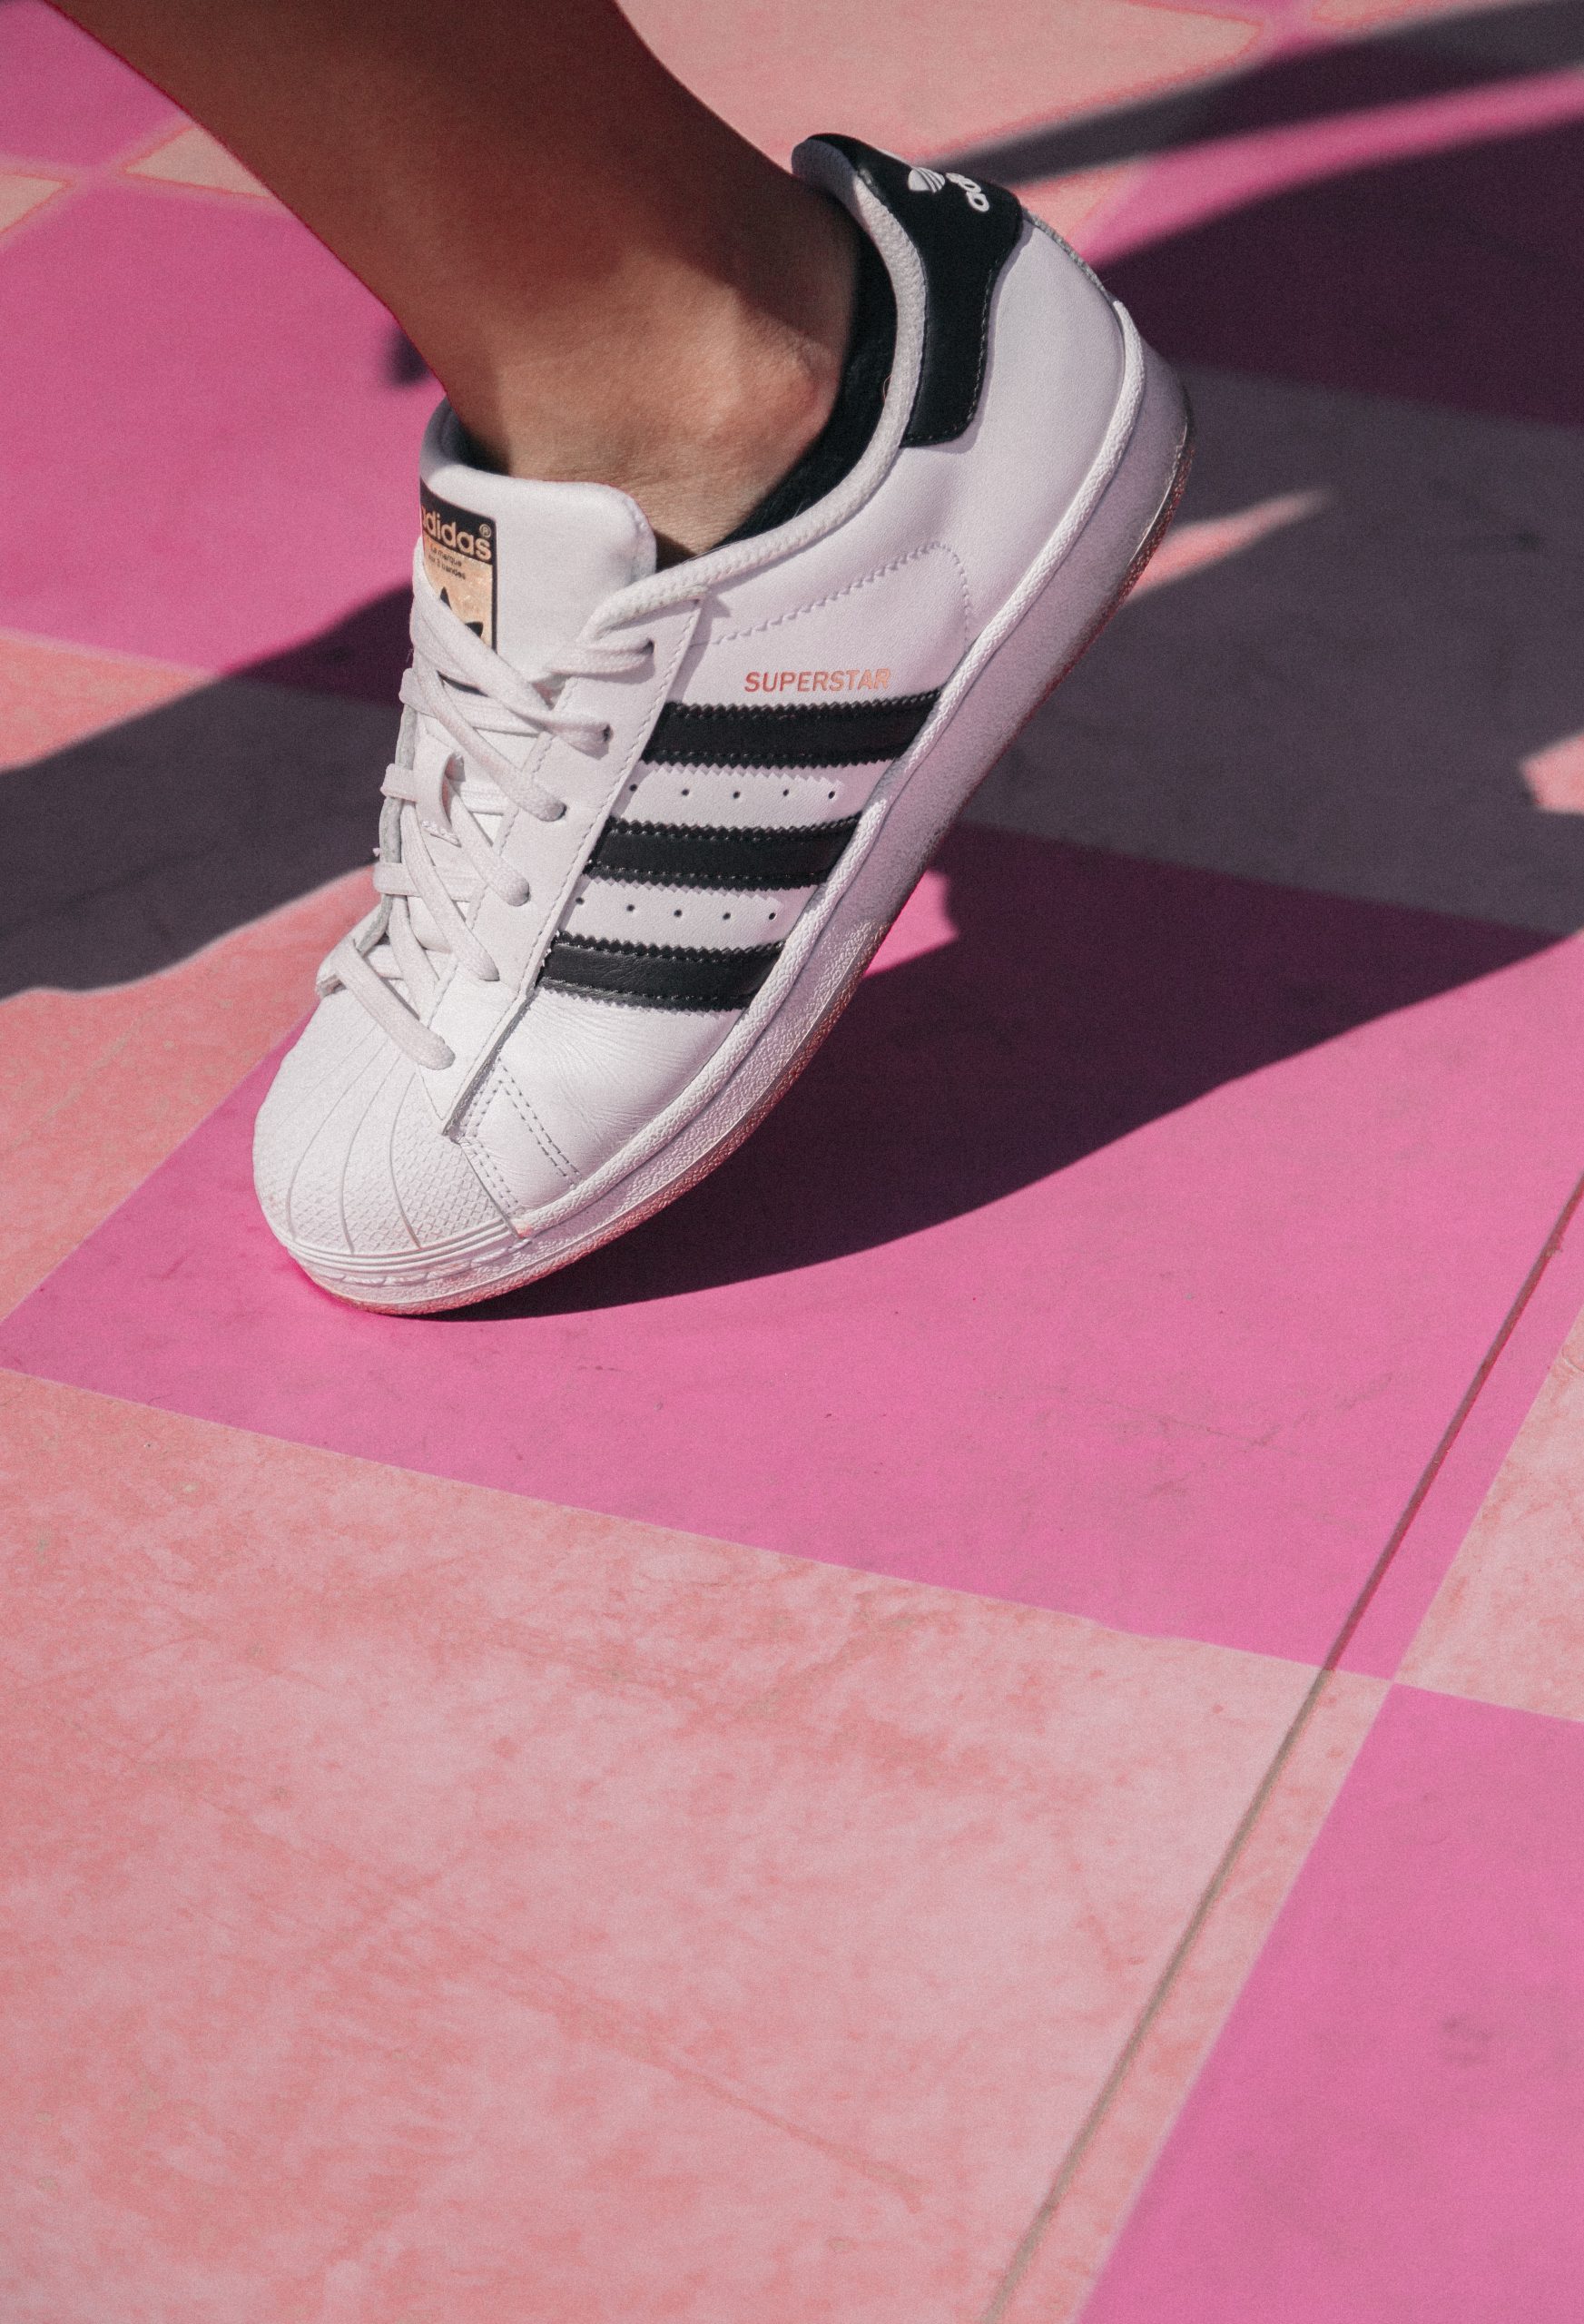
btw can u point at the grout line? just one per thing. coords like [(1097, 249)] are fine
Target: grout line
[(1454, 1427), (1088, 2129), (1033, 2234)]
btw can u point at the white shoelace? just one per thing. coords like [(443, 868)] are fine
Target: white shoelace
[(443, 860)]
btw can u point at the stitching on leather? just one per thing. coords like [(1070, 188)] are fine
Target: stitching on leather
[(599, 999), (518, 1099), (484, 1162), (881, 573)]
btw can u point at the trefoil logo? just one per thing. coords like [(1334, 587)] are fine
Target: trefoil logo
[(923, 180)]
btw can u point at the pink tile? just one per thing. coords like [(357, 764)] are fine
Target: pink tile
[(1371, 16), (1393, 2124), (1508, 1623), (1458, 1476), (1200, 543), (63, 97), (423, 1902), (191, 157), (1554, 777), (97, 1088), (52, 694), (881, 71), (1063, 2253), (241, 467), (23, 194), (1070, 1272)]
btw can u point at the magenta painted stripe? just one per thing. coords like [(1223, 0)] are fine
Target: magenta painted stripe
[(1389, 2125)]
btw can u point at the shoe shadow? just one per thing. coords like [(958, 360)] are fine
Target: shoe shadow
[(1085, 996)]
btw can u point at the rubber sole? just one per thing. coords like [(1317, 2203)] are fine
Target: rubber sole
[(1065, 600)]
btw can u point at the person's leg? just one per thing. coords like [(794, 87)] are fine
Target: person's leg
[(609, 284)]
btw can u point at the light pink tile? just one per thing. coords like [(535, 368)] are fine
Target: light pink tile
[(1390, 2126), (1460, 1471), (1508, 1624), (240, 467), (1554, 777), (52, 694), (23, 194), (63, 97), (881, 71), (1366, 16), (423, 1900), (191, 157), (1066, 2248), (946, 1315), (97, 1088), (1194, 546)]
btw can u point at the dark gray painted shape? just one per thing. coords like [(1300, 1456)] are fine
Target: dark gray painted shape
[(128, 852)]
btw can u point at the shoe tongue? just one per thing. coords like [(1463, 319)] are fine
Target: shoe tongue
[(523, 563)]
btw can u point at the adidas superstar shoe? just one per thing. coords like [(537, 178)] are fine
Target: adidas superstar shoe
[(646, 829)]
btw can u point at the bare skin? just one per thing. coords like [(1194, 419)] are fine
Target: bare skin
[(609, 284)]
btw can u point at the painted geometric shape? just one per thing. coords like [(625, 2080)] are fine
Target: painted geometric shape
[(53, 695), (1478, 1437), (22, 194), (419, 1894), (234, 471), (208, 810), (97, 1088), (1024, 58), (1390, 2124), (65, 99), (1066, 2248), (1555, 776), (192, 157), (1314, 704), (1204, 541), (1508, 1624)]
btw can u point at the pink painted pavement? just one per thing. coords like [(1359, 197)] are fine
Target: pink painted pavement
[(65, 100), (1389, 2125), (794, 1769), (504, 1913), (219, 532)]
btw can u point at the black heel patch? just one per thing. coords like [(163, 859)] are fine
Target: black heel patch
[(964, 231)]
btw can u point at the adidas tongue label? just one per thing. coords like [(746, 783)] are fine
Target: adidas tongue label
[(460, 561)]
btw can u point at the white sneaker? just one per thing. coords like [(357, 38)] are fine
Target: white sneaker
[(645, 830)]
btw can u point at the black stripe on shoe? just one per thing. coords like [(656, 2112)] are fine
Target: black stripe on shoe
[(786, 734), (657, 976), (688, 856)]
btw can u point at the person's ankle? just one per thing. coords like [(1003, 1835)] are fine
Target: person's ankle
[(699, 400)]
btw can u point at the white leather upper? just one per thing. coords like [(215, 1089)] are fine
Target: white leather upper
[(360, 1150)]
